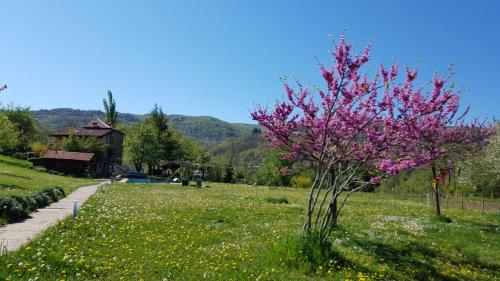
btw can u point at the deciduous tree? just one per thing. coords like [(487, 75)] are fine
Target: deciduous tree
[(25, 125), (386, 122), (141, 145), (9, 136), (77, 143)]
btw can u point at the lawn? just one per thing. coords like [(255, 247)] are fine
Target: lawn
[(17, 179), (235, 232)]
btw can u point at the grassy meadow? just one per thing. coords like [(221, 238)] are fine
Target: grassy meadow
[(235, 232), (16, 179)]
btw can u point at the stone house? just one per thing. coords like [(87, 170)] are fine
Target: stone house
[(111, 137)]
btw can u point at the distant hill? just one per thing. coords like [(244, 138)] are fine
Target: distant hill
[(58, 118), (205, 129)]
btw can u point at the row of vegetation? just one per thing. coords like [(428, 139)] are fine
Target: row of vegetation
[(253, 162), (13, 208)]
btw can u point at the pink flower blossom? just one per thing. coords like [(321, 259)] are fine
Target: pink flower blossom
[(389, 126)]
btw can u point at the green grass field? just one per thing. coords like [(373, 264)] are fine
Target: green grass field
[(16, 179), (234, 232)]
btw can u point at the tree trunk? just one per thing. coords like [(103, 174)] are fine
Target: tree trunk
[(436, 192), (333, 203), (138, 166)]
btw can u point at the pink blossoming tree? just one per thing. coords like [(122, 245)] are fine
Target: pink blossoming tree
[(384, 122)]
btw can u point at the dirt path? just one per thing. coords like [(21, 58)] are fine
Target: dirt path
[(14, 235)]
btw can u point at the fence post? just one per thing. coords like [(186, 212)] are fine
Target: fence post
[(482, 203)]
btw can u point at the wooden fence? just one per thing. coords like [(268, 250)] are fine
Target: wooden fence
[(464, 200)]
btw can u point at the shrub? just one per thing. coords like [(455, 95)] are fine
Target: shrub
[(11, 209), (27, 204), (55, 173), (301, 182), (39, 149), (41, 200), (54, 193), (18, 207), (442, 219), (39, 169), (281, 200)]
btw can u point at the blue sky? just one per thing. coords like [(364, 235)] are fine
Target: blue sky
[(220, 58)]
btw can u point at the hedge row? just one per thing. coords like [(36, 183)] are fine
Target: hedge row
[(18, 207)]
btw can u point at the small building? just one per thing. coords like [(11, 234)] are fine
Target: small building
[(71, 163), (111, 137)]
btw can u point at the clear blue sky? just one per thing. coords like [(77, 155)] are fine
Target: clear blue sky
[(219, 58)]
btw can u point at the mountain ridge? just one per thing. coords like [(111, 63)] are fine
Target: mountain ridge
[(205, 129)]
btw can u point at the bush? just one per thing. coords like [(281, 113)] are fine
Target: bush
[(301, 182), (281, 200), (39, 149), (17, 207), (40, 169), (55, 173), (11, 209), (41, 200), (442, 219), (26, 203)]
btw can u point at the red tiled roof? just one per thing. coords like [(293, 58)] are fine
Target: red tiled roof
[(66, 155), (82, 132)]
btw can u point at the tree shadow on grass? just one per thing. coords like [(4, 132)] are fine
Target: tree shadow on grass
[(408, 260)]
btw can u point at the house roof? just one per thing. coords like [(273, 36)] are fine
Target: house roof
[(82, 132), (97, 123), (94, 128), (66, 155)]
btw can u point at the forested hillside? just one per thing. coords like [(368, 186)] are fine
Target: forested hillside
[(205, 129)]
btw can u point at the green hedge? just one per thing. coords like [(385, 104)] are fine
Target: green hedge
[(17, 207)]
